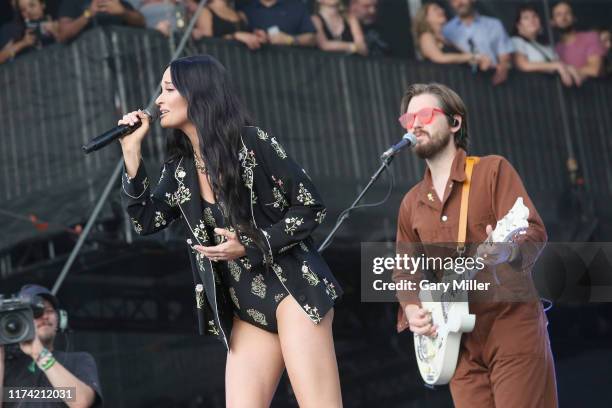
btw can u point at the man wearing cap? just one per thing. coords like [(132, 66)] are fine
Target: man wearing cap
[(39, 366)]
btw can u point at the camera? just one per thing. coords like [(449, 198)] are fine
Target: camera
[(17, 319), (37, 28)]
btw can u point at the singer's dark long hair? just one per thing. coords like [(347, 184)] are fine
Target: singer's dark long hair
[(219, 117)]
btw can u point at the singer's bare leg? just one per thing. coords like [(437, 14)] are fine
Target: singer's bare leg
[(310, 358), (254, 367)]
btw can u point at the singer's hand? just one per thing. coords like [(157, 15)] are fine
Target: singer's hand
[(133, 141)]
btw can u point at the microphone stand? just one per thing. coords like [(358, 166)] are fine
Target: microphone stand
[(346, 213)]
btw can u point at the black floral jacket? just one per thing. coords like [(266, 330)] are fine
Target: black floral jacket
[(285, 208)]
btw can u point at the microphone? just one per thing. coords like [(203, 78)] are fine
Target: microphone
[(408, 140), (118, 131)]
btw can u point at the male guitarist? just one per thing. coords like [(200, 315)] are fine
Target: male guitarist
[(506, 361)]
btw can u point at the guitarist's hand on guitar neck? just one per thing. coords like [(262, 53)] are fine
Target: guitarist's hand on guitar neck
[(495, 253), (419, 320)]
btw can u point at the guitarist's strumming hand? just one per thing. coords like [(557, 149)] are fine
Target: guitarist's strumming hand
[(419, 320), (493, 253)]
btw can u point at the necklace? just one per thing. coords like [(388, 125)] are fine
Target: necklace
[(200, 166)]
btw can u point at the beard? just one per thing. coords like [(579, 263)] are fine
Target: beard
[(432, 146), (46, 336)]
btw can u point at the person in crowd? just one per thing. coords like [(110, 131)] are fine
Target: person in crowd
[(36, 363), (366, 12), (477, 34), (219, 19), (78, 15), (604, 37), (337, 31), (160, 15), (432, 45), (281, 22), (580, 49), (31, 28), (531, 55)]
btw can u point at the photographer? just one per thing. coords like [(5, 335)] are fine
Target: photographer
[(31, 28), (37, 365)]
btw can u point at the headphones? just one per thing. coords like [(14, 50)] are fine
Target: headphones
[(35, 295)]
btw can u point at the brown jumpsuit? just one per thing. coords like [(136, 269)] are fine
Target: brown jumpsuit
[(506, 361)]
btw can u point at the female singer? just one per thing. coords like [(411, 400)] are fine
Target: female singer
[(249, 210)]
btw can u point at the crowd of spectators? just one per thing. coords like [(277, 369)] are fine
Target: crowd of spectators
[(483, 42), (468, 37)]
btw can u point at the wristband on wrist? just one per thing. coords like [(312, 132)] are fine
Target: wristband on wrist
[(45, 360), (43, 353), (87, 14), (50, 362), (291, 40)]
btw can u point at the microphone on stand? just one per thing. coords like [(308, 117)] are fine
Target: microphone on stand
[(118, 131), (408, 140)]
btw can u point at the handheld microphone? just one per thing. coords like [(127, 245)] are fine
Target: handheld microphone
[(118, 131), (408, 140)]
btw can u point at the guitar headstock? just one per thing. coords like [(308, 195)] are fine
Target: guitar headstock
[(513, 224)]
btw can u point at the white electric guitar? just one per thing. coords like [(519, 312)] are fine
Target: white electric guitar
[(437, 357)]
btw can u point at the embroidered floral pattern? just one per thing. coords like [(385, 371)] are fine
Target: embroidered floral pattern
[(209, 218), (235, 270), (182, 195), (245, 262), (261, 134), (171, 199), (180, 173), (258, 287), (330, 289), (200, 260), (200, 232), (286, 248), (280, 201), (313, 313), (257, 316), (278, 297), (267, 259), (303, 246), (278, 148), (245, 240), (248, 163), (212, 328), (199, 291), (279, 272), (292, 224), (309, 275), (137, 226), (232, 293), (159, 219), (253, 198), (304, 196), (320, 216)]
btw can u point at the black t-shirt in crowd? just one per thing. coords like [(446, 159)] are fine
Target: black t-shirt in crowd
[(75, 8), (20, 372), (10, 31)]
